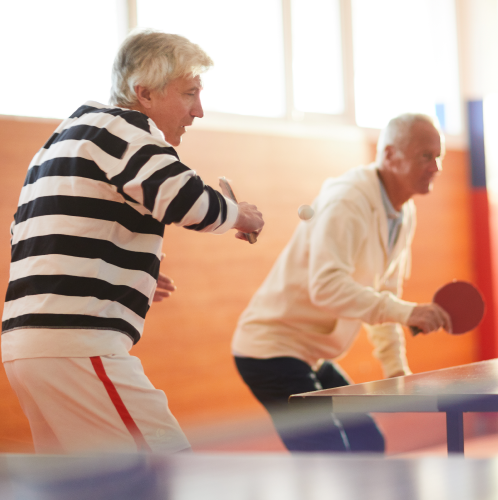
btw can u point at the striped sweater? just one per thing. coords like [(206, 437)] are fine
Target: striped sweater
[(87, 234)]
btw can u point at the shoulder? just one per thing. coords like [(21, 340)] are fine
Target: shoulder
[(95, 110), (127, 123), (358, 187)]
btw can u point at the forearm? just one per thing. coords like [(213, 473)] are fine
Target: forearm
[(212, 212), (338, 292)]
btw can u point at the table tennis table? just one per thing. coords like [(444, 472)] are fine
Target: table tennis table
[(454, 391)]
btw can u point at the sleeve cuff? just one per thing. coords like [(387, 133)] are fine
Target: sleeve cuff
[(232, 214), (389, 348), (403, 310), (396, 366)]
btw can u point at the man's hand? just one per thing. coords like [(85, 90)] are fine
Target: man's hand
[(165, 288), (429, 317), (249, 220)]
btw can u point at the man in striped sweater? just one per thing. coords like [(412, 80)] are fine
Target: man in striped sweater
[(86, 249)]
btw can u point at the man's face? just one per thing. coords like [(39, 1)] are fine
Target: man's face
[(421, 159), (176, 107)]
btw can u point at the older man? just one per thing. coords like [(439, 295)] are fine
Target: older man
[(86, 249), (343, 268)]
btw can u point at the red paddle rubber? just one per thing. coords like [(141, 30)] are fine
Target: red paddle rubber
[(463, 302)]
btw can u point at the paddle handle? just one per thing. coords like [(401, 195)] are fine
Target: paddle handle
[(415, 330), (227, 190)]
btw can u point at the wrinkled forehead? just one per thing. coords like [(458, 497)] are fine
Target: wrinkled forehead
[(185, 83), (423, 136)]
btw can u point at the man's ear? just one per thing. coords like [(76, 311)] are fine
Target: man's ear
[(391, 157), (143, 96), (389, 152)]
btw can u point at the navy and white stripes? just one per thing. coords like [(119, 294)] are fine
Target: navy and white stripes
[(87, 237)]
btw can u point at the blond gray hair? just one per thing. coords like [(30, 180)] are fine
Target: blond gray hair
[(152, 59), (397, 132)]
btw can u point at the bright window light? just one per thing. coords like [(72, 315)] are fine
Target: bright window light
[(317, 56), (405, 59), (56, 54), (245, 41)]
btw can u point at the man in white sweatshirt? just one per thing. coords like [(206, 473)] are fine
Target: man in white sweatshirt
[(343, 268)]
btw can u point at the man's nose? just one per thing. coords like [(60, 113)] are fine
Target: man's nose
[(435, 165), (197, 111)]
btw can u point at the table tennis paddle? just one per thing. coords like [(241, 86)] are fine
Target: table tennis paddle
[(227, 191), (463, 302)]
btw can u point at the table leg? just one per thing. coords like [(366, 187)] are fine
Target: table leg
[(454, 431)]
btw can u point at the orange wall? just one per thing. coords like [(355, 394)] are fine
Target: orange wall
[(186, 345)]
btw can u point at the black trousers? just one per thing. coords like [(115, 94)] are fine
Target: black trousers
[(273, 380)]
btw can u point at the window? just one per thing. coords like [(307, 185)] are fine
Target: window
[(279, 59), (317, 56), (245, 41), (56, 54), (405, 59)]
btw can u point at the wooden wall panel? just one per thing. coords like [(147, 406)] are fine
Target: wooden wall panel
[(186, 346), (19, 141)]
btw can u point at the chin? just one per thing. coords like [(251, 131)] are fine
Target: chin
[(426, 189), (174, 141)]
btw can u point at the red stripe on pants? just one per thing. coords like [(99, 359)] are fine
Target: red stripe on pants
[(119, 405)]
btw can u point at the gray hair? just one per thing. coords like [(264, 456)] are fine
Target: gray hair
[(152, 59), (397, 132)]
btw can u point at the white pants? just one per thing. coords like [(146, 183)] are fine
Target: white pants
[(102, 403)]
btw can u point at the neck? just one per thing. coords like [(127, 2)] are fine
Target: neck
[(138, 107), (394, 191)]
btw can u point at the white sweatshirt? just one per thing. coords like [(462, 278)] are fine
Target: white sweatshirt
[(335, 274)]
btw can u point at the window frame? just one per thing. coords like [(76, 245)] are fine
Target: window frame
[(297, 122), (292, 115)]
